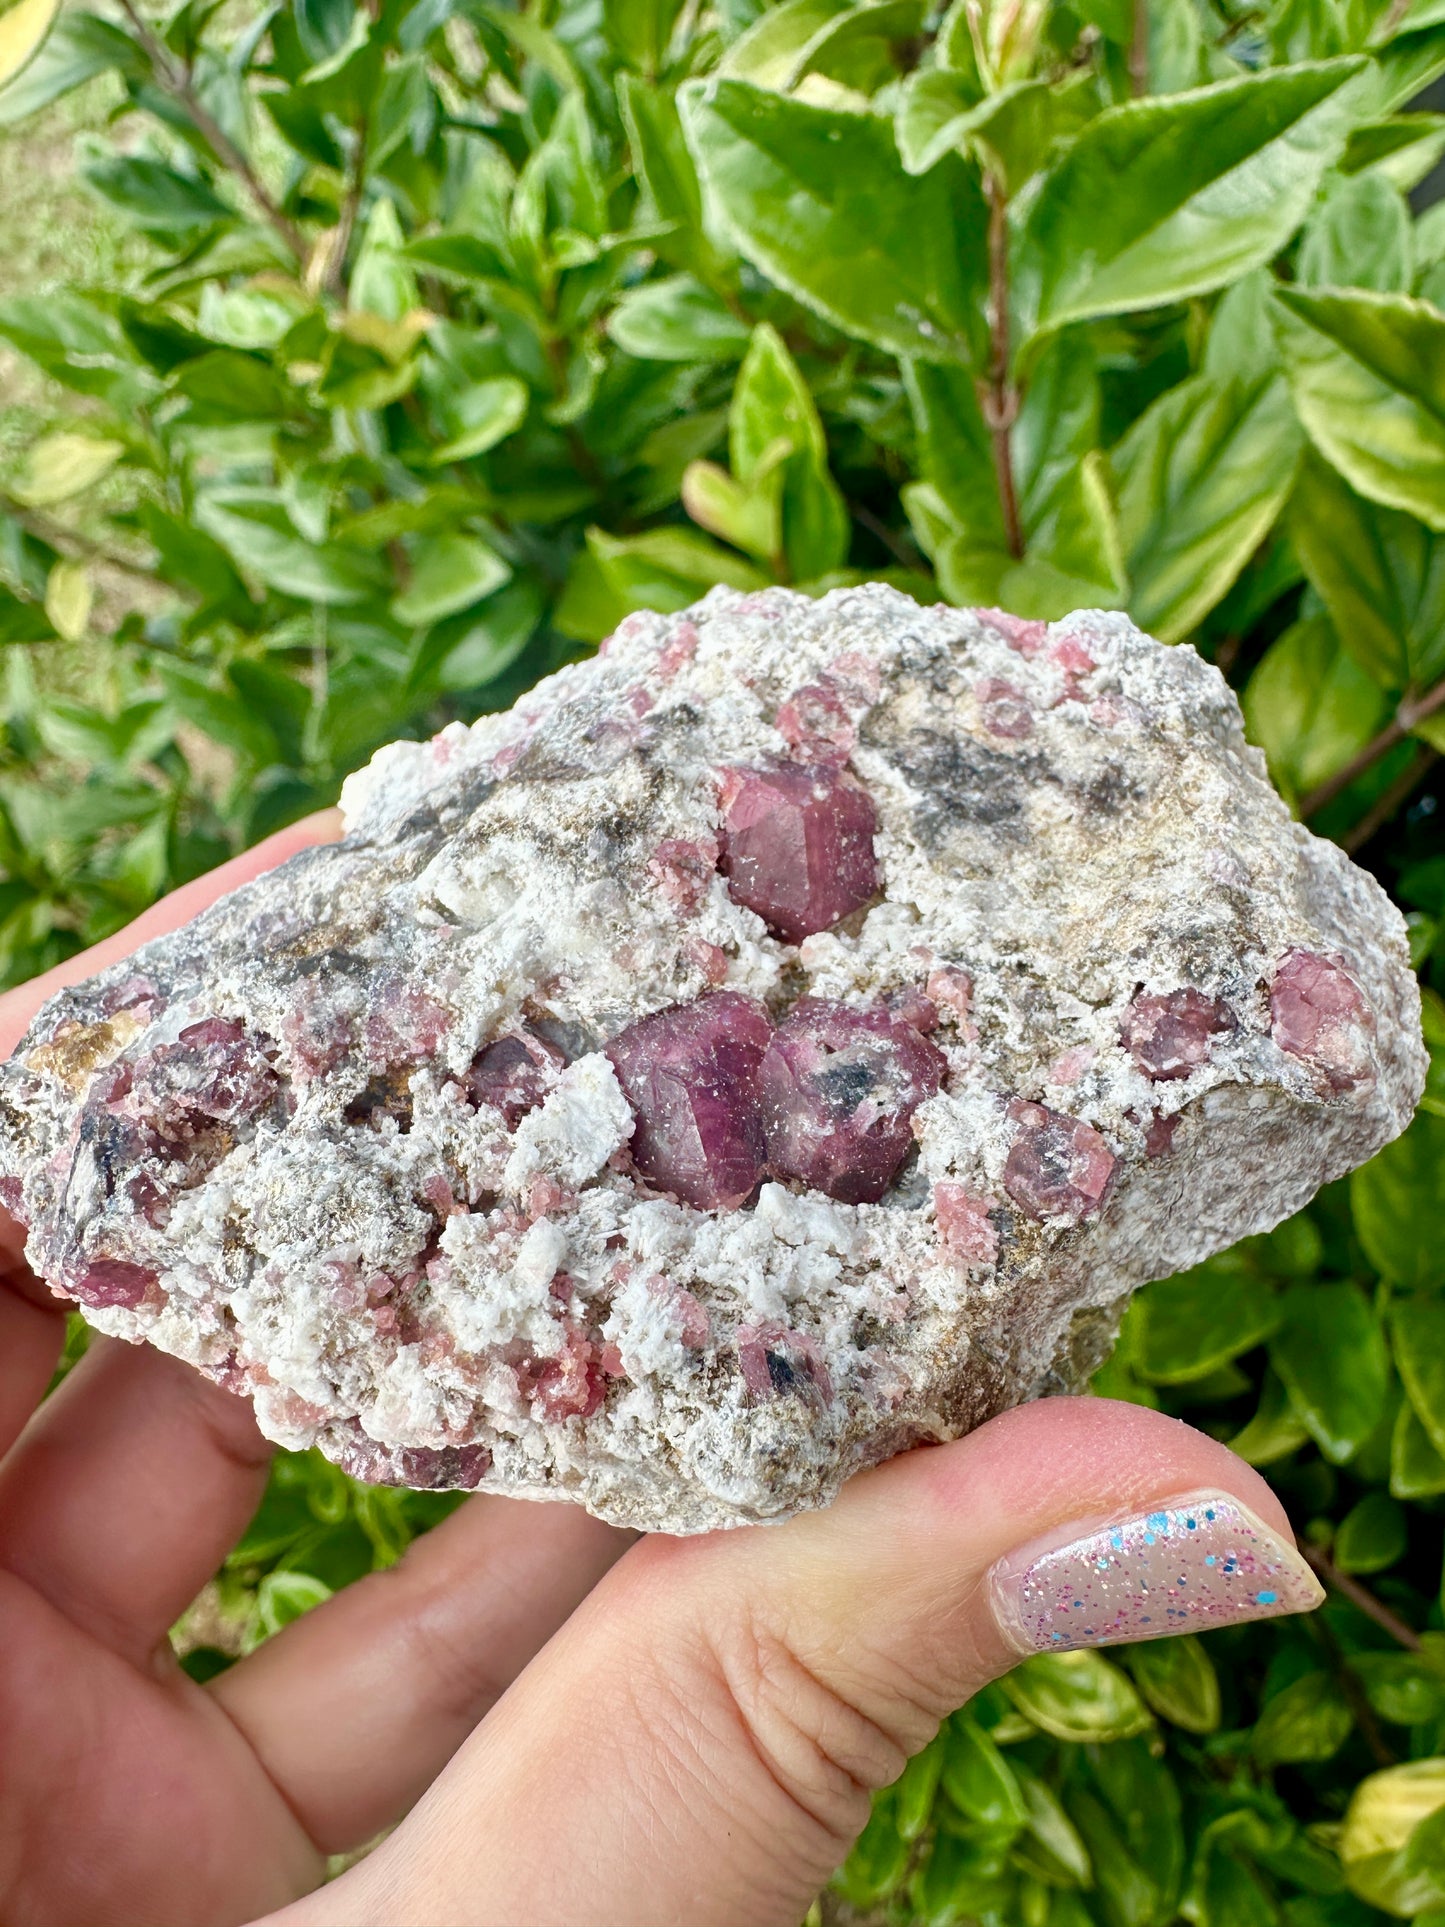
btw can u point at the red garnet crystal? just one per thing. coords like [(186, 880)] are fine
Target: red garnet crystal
[(112, 1281), (690, 1074), (1169, 1036), (1319, 1013), (513, 1075), (840, 1086), (798, 845), (1057, 1166)]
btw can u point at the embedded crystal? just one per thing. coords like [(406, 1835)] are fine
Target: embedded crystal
[(798, 845)]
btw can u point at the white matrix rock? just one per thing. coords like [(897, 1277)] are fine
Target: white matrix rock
[(1150, 1015)]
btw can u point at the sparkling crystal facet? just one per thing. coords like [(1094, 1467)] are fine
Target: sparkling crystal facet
[(690, 1074), (1057, 1166), (840, 1086), (798, 845), (1170, 1036)]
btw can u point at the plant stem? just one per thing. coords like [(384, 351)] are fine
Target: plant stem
[(350, 208), (902, 551), (1348, 1682), (69, 541), (1386, 804), (1139, 50), (1362, 1598), (998, 398), (1395, 731), (175, 77)]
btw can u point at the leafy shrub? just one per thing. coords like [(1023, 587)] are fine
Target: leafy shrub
[(465, 329)]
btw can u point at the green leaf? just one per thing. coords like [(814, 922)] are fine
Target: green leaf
[(1368, 375), (767, 54), (1276, 1429), (280, 1598), (668, 178), (64, 464), (819, 202), (1331, 1354), (1051, 1847), (1200, 479), (155, 194), (1417, 1469), (262, 542), (210, 703), (1378, 572), (641, 29), (1013, 131), (1077, 1696), (1310, 706), (979, 1781), (22, 34), (775, 434), (1197, 1320), (69, 595), (1219, 179), (1124, 1879), (1177, 1678), (1372, 1535), (1358, 237), (1402, 149), (1306, 1720), (1384, 1813), (677, 320), (1417, 1327), (80, 45), (449, 573), (77, 341), (479, 415), (1397, 1199), (1407, 1688), (915, 1791)]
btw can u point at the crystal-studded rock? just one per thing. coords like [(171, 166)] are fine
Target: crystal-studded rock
[(798, 845), (514, 1142)]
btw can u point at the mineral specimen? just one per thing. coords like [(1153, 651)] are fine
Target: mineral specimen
[(785, 1038)]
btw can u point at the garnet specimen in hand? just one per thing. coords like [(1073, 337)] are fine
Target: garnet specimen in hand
[(786, 1037)]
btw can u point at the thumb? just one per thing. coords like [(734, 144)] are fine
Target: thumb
[(699, 1743)]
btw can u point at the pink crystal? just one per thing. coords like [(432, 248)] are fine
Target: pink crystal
[(1057, 1166), (1159, 1135), (1069, 1066), (678, 650), (1004, 708), (403, 1025), (798, 845), (775, 1361), (574, 1383), (514, 1074), (840, 1086), (1319, 1013), (690, 1074), (963, 1224), (951, 989), (1170, 1036), (815, 721), (911, 1006), (111, 1281), (1017, 631), (214, 1073), (684, 869)]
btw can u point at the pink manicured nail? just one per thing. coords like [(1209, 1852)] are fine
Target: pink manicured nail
[(1200, 1561)]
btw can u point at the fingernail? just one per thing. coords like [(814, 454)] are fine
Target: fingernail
[(1198, 1561)]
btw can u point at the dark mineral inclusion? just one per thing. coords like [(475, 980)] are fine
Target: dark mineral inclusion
[(785, 1038)]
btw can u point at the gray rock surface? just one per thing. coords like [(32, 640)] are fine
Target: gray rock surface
[(268, 1144)]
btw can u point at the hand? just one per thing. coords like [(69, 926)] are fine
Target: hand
[(688, 1734)]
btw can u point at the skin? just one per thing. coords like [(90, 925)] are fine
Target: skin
[(570, 1726)]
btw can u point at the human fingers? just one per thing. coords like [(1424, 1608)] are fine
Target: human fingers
[(136, 1454), (354, 1709), (32, 1332), (699, 1743), (18, 1006), (127, 1489)]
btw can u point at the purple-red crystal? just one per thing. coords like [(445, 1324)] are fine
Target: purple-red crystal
[(840, 1086), (1057, 1166), (514, 1074), (111, 1281), (690, 1074), (214, 1073), (797, 842), (1319, 1013), (1171, 1035)]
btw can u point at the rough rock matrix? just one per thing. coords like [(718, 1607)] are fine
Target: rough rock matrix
[(783, 1039)]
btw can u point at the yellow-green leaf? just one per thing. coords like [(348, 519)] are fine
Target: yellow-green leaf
[(22, 35), (62, 465), (68, 596)]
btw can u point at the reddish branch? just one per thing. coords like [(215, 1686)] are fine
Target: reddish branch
[(998, 398), (1407, 717)]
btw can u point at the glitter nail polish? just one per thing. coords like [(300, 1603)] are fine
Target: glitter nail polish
[(1190, 1563)]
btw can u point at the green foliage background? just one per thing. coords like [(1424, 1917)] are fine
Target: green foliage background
[(425, 338)]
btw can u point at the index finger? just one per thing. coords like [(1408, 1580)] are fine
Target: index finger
[(18, 1006)]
